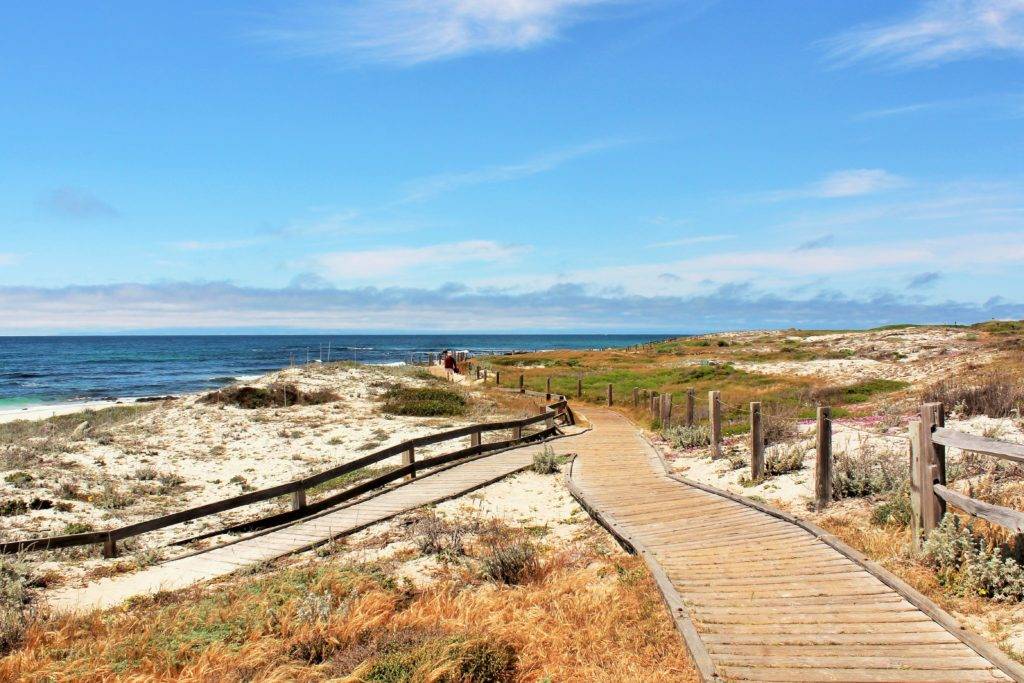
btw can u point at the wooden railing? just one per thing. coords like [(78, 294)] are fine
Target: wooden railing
[(929, 495), (298, 487)]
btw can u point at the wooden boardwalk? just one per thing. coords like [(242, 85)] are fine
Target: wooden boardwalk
[(298, 536), (759, 596)]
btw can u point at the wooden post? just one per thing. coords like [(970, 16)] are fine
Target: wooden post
[(522, 385), (666, 410), (409, 458), (756, 442), (485, 375), (652, 404), (298, 499), (109, 548), (823, 461), (579, 387), (497, 377), (636, 397), (474, 439), (691, 404), (548, 386), (517, 432), (609, 394), (715, 415), (927, 468)]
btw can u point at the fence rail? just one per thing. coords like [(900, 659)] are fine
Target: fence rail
[(929, 494), (298, 487)]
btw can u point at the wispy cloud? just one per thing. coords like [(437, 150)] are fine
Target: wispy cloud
[(206, 306), (695, 239), (9, 259), (924, 280), (431, 186), (939, 31), (409, 32), (77, 204), (853, 182), (370, 263), (816, 243)]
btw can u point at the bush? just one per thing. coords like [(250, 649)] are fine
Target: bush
[(546, 462), (860, 392), (895, 510), (868, 470), (509, 559), (13, 604), (424, 402), (786, 459), (438, 536), (445, 660), (992, 394), (273, 396), (778, 426), (689, 437), (966, 565)]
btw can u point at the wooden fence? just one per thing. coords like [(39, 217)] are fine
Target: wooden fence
[(298, 487), (929, 495)]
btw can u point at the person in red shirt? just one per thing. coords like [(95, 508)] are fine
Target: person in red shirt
[(449, 365)]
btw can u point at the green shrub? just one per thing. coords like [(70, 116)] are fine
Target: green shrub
[(867, 470), (965, 564), (509, 559), (689, 437), (424, 402), (14, 615), (546, 462), (785, 459), (894, 510), (273, 396)]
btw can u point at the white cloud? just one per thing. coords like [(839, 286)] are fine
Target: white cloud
[(369, 263), (855, 182), (430, 186), (9, 259), (940, 31), (408, 32)]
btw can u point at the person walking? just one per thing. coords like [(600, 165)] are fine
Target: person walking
[(449, 365)]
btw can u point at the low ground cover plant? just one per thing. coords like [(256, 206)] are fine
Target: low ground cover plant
[(424, 402), (273, 396), (689, 437), (968, 565), (867, 468)]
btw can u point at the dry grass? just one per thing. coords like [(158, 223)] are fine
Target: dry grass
[(996, 394), (273, 396), (579, 619)]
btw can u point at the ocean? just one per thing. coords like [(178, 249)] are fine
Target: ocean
[(44, 370)]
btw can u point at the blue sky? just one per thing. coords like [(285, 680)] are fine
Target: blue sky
[(504, 165)]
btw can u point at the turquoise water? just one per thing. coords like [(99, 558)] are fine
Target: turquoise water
[(38, 370)]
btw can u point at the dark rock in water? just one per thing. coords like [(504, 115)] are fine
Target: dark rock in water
[(154, 399)]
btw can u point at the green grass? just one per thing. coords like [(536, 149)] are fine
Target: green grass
[(424, 402), (861, 392), (350, 478)]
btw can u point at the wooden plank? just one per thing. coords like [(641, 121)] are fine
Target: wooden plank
[(924, 661), (856, 675), (997, 514), (979, 444)]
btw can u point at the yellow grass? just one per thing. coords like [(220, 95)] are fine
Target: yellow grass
[(584, 619)]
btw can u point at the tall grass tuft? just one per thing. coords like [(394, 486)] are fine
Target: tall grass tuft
[(992, 394)]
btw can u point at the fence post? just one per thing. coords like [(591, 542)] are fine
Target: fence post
[(652, 404), (298, 499), (609, 394), (109, 547), (517, 432), (485, 375), (409, 458), (636, 397), (715, 415), (927, 468), (823, 462), (497, 377), (579, 387), (666, 410), (522, 386), (756, 442), (549, 389), (475, 438), (691, 403)]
